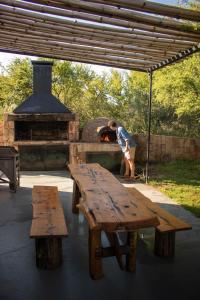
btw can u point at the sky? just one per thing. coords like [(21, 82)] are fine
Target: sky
[(6, 58)]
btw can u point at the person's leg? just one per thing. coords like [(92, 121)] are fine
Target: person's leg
[(127, 167), (132, 161)]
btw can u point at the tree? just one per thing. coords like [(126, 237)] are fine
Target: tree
[(16, 83), (177, 89)]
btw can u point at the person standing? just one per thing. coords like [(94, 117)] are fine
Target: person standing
[(128, 147)]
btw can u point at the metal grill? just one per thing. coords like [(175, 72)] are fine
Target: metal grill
[(9, 167)]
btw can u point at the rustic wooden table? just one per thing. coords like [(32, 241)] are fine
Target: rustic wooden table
[(109, 207)]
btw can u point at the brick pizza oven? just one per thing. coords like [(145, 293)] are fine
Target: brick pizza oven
[(41, 127), (98, 144)]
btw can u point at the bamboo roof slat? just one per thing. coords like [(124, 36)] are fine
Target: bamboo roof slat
[(113, 52), (65, 49), (126, 37), (125, 34), (154, 7), (95, 43), (19, 50), (108, 11), (133, 42), (60, 50), (50, 13)]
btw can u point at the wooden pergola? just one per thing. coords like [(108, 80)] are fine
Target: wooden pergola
[(129, 34)]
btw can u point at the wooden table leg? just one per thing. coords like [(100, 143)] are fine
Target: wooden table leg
[(114, 242), (164, 243), (131, 257), (48, 252), (75, 198), (95, 257)]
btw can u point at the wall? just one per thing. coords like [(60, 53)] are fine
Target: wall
[(162, 148), (167, 148)]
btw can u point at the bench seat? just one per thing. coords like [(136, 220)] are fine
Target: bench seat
[(48, 226), (164, 232)]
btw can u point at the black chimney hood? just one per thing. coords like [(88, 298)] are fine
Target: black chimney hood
[(41, 101)]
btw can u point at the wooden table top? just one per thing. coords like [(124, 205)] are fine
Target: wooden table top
[(106, 202)]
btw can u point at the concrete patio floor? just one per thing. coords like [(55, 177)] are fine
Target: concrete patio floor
[(155, 278)]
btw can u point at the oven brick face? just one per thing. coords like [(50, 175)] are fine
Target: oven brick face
[(89, 133)]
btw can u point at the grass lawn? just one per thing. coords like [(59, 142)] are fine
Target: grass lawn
[(180, 180)]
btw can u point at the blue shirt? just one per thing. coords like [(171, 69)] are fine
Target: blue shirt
[(123, 136)]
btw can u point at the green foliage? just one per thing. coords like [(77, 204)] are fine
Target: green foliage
[(80, 89), (177, 89), (15, 83), (137, 95), (180, 181)]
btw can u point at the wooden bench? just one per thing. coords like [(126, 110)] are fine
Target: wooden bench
[(48, 226), (108, 207), (164, 244)]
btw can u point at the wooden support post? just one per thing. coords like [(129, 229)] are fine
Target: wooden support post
[(95, 257), (164, 243), (114, 242), (48, 252), (131, 257), (75, 198)]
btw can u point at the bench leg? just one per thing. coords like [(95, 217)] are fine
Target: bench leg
[(48, 252), (75, 198), (131, 256), (164, 244), (95, 257)]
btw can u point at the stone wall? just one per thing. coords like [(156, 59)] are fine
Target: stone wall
[(162, 148), (167, 148)]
